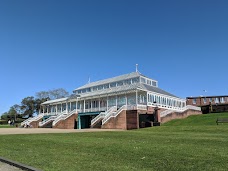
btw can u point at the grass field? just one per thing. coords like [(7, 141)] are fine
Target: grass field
[(6, 126), (195, 143)]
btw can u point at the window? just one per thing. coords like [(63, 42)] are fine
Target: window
[(100, 87), (143, 80), (127, 82), (113, 84), (222, 100), (135, 80), (216, 100), (205, 100), (210, 99), (193, 101), (95, 88), (154, 83), (149, 82), (106, 86), (120, 83)]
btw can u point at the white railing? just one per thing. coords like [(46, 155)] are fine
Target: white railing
[(114, 113), (193, 107), (29, 120), (166, 112), (98, 117), (63, 117), (26, 121), (51, 118), (141, 107)]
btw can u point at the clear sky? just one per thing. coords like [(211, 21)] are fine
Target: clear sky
[(48, 44)]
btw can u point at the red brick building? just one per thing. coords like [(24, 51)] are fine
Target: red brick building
[(209, 104), (206, 100)]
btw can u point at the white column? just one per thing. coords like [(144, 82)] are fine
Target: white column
[(66, 107), (91, 105), (136, 95), (56, 109), (43, 109), (84, 105), (76, 105), (107, 102), (126, 98), (116, 100), (47, 109), (61, 107), (70, 107), (99, 105)]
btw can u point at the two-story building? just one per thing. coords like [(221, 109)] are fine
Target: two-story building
[(127, 101)]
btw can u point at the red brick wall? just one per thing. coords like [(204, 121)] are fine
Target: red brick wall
[(66, 124), (179, 115), (132, 119), (35, 124), (116, 123)]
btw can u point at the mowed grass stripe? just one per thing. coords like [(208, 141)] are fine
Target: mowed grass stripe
[(183, 147)]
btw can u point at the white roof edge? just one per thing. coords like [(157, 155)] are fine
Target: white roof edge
[(54, 101)]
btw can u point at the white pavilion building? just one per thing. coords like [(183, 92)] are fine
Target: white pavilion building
[(100, 103)]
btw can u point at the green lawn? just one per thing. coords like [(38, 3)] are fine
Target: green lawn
[(6, 126), (195, 143)]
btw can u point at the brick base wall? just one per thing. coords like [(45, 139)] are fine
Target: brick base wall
[(35, 124), (66, 124), (180, 115), (118, 122)]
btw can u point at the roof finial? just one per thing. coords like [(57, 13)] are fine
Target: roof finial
[(136, 68), (89, 80)]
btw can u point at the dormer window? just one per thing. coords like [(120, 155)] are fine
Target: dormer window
[(113, 84)]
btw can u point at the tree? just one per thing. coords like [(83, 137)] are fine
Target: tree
[(38, 103), (28, 106), (43, 95), (5, 116), (12, 113), (52, 94), (58, 93)]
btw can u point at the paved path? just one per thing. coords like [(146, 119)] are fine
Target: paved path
[(6, 131), (7, 167)]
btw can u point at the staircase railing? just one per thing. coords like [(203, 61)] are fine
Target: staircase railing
[(29, 120), (166, 112), (63, 117), (192, 107), (51, 118), (113, 114), (103, 114), (98, 117)]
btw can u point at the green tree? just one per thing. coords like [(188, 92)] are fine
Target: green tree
[(52, 94), (12, 113), (28, 106)]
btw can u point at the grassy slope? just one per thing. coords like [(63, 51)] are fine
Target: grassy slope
[(198, 120), (194, 144)]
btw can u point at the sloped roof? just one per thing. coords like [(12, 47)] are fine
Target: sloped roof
[(114, 79), (127, 88), (156, 90), (55, 101)]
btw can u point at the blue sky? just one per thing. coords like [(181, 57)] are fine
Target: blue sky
[(48, 44)]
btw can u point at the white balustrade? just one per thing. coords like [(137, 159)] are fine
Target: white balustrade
[(98, 117), (29, 120), (63, 117)]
